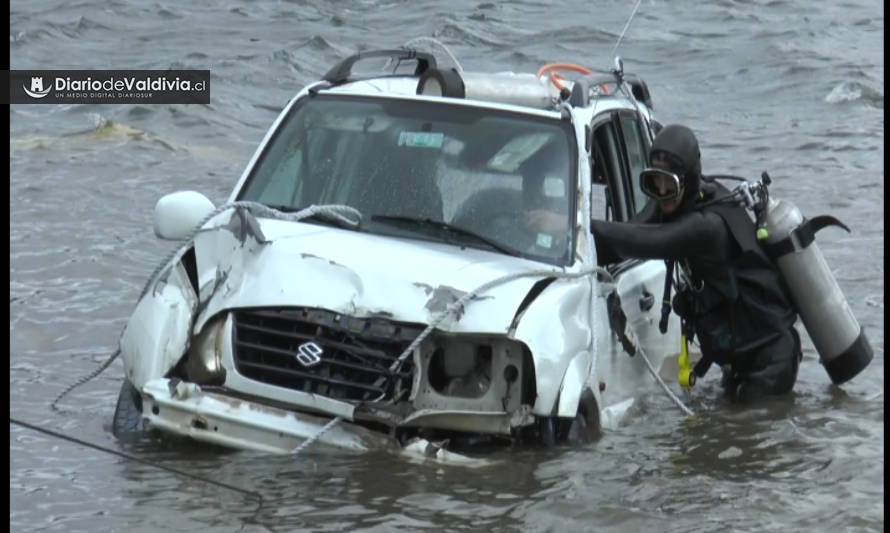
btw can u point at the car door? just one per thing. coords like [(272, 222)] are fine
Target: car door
[(620, 151)]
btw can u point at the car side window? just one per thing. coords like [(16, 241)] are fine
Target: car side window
[(600, 207), (637, 149), (608, 174)]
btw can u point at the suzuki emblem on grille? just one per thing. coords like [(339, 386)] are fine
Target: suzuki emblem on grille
[(309, 354)]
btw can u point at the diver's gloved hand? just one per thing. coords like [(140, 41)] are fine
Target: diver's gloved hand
[(683, 304), (617, 318), (618, 322)]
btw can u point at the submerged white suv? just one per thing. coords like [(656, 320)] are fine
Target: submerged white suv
[(407, 258)]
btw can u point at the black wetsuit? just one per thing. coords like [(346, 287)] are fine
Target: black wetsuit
[(738, 306)]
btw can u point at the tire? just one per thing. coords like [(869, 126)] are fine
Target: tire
[(127, 424), (557, 431), (548, 431), (584, 427), (579, 430)]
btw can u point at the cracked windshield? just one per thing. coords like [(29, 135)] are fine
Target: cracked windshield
[(475, 177)]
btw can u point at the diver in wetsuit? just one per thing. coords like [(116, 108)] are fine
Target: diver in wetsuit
[(733, 299)]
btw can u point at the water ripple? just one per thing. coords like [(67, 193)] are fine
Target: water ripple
[(850, 91)]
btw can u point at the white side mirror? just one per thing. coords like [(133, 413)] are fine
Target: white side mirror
[(177, 214)]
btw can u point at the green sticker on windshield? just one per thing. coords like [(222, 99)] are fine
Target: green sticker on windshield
[(421, 139)]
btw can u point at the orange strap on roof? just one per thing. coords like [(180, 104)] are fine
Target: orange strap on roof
[(556, 76)]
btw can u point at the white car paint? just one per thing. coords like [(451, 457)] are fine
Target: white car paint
[(244, 261)]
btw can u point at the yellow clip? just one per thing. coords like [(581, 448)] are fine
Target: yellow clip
[(762, 234), (686, 377)]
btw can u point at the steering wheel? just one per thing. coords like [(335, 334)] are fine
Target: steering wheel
[(511, 226)]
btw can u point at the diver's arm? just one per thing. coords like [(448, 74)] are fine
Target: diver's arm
[(649, 214), (699, 233)]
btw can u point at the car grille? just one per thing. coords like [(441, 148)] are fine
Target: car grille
[(342, 357)]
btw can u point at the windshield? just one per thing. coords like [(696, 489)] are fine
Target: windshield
[(504, 177)]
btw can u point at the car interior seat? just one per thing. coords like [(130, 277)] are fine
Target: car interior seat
[(400, 180)]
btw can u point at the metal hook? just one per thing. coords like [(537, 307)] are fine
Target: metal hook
[(618, 69)]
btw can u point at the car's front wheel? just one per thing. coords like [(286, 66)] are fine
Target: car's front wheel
[(583, 428), (127, 423)]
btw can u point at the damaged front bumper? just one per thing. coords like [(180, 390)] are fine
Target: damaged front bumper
[(184, 409)]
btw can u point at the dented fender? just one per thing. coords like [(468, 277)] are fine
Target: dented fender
[(157, 334), (159, 331), (573, 385), (556, 327)]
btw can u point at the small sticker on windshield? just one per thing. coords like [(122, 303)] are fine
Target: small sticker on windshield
[(421, 139)]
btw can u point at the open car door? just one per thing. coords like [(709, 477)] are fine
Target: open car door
[(632, 298)]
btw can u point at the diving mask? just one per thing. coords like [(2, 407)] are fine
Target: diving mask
[(661, 184)]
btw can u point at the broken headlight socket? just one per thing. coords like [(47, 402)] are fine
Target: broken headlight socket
[(461, 368)]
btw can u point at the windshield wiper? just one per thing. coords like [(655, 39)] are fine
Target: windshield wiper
[(319, 216), (444, 227), (284, 208)]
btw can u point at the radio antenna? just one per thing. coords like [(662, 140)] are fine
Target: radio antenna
[(634, 12)]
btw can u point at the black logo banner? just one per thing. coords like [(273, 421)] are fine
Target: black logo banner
[(109, 86)]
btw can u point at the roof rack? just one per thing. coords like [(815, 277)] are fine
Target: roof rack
[(505, 87), (605, 83), (341, 72)]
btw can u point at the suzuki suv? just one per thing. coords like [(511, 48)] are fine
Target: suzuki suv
[(407, 258)]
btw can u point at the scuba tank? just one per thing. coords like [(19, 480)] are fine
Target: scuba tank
[(789, 239)]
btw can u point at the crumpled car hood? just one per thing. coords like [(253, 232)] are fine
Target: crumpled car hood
[(273, 263)]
